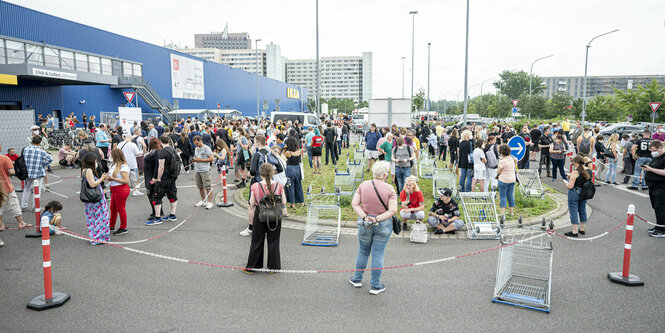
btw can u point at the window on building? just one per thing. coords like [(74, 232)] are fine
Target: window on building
[(15, 52), (95, 66), (35, 55), (106, 66), (81, 62), (67, 60), (2, 51), (51, 57), (127, 69), (138, 71)]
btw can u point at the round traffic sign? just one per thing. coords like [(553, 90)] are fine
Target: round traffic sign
[(517, 147)]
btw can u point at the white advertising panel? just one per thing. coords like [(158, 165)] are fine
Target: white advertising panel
[(186, 78), (127, 118)]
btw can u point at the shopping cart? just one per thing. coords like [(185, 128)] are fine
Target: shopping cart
[(482, 221), (322, 207), (345, 181), (529, 181), (442, 178), (524, 272), (357, 168), (426, 168)]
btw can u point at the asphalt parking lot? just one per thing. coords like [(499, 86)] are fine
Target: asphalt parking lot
[(118, 290)]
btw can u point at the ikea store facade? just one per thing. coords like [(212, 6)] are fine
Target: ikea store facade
[(52, 66)]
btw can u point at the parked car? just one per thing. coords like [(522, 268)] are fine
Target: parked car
[(620, 129)]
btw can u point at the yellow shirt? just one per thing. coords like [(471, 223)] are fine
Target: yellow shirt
[(565, 126), (417, 142)]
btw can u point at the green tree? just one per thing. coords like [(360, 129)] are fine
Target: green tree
[(559, 106), (363, 104), (636, 101), (515, 84), (418, 100), (534, 106), (603, 107)]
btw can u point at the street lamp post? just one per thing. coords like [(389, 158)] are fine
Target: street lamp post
[(466, 64), (531, 71), (413, 45), (586, 62), (403, 76), (429, 44), (318, 69), (258, 72)]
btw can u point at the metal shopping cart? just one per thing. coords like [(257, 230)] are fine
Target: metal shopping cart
[(357, 168), (442, 178), (324, 216), (529, 181), (345, 181), (426, 168), (524, 272), (480, 216)]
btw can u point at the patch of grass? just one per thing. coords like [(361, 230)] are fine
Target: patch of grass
[(528, 207)]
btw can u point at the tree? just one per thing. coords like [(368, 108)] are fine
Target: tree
[(363, 104), (533, 106), (515, 84), (603, 107), (418, 100), (559, 106), (636, 102)]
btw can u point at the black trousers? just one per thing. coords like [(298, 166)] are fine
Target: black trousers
[(629, 167), (442, 152), (544, 159), (657, 197), (330, 149), (186, 161), (259, 232)]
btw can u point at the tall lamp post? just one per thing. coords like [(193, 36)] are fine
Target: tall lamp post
[(403, 76), (258, 72), (466, 64), (586, 62), (318, 69), (429, 44), (531, 71), (413, 45)]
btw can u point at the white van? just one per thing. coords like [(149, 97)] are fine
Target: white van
[(306, 119)]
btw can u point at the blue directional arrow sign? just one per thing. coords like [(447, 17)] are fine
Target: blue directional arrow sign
[(515, 110), (517, 147)]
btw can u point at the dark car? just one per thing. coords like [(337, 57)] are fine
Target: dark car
[(620, 129)]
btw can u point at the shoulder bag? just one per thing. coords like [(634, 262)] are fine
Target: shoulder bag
[(270, 210), (89, 194), (397, 227)]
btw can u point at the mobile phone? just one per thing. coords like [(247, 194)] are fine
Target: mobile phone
[(643, 166)]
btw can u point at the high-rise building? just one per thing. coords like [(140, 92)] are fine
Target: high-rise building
[(275, 62), (341, 77), (223, 40), (210, 54), (596, 85), (247, 60)]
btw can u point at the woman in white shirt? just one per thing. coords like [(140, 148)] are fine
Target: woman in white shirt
[(119, 177), (479, 161)]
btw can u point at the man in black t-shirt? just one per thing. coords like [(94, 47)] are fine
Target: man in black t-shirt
[(330, 134), (164, 182), (345, 135), (544, 142), (116, 137), (507, 134), (445, 213), (642, 156), (655, 177), (535, 136), (524, 162)]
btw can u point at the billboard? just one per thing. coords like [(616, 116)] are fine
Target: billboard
[(186, 78), (127, 118)]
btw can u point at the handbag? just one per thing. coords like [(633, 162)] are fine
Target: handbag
[(397, 227), (89, 194), (270, 210)]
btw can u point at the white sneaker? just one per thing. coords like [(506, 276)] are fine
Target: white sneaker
[(209, 205), (200, 203), (187, 172), (246, 232), (137, 193)]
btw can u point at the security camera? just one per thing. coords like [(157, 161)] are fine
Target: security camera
[(82, 101)]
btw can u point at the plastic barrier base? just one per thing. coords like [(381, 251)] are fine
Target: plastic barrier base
[(631, 280), (34, 234), (39, 303), (228, 204)]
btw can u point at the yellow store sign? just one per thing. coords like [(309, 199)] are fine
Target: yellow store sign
[(292, 93), (8, 79)]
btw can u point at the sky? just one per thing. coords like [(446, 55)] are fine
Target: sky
[(503, 35)]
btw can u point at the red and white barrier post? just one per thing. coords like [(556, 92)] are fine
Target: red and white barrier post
[(625, 277), (22, 186), (226, 202), (231, 160), (571, 162), (593, 171), (50, 299), (37, 233)]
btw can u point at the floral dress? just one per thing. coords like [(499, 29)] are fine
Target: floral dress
[(97, 220)]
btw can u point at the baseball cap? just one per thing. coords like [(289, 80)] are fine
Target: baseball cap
[(34, 127), (446, 192)]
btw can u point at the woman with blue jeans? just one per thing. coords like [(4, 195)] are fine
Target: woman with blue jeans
[(611, 154), (375, 202), (465, 153), (402, 155), (505, 173), (576, 206), (294, 193)]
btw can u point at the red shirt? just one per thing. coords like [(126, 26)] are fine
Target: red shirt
[(12, 157), (415, 199), (317, 141)]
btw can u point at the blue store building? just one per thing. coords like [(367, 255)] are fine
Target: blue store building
[(55, 66)]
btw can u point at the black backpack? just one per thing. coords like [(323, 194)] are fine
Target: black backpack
[(588, 190), (175, 164), (21, 171)]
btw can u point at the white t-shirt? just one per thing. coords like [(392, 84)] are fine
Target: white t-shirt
[(478, 156), (139, 143), (123, 168), (130, 150)]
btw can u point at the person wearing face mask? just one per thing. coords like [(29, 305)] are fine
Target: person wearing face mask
[(660, 133), (655, 178)]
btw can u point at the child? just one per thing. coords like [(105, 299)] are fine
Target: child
[(11, 153), (54, 218)]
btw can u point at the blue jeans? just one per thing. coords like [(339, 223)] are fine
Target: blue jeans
[(638, 170), (557, 164), (294, 190), (309, 156), (400, 177), (576, 206), (372, 240), (611, 170), (468, 175), (506, 191)]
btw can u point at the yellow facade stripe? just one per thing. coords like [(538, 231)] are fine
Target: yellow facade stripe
[(8, 79)]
